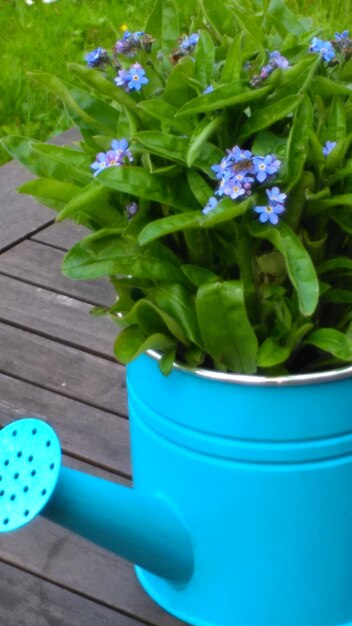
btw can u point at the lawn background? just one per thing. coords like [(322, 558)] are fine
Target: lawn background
[(48, 37)]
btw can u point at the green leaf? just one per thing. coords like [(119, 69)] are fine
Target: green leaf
[(220, 18), (94, 200), (106, 253), (204, 58), (49, 161), (163, 25), (299, 265), (198, 275), (106, 114), (250, 25), (339, 263), (226, 331), (222, 97), (337, 128), (297, 145), (53, 193), (272, 353), (287, 20), (226, 210), (95, 79), (178, 303), (132, 342), (153, 319), (167, 225), (323, 86), (165, 112), (333, 341), (203, 131), (137, 182), (267, 116), (232, 69), (199, 187), (60, 89), (178, 91), (166, 362)]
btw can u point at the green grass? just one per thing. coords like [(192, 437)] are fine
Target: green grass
[(47, 37)]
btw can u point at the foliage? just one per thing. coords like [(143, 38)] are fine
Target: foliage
[(214, 171)]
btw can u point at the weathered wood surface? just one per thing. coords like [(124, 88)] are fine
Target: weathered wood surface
[(56, 363)]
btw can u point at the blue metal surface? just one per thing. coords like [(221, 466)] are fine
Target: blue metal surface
[(262, 476), (30, 458), (142, 528)]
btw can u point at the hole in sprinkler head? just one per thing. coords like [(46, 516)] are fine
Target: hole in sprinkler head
[(6, 462), (43, 492), (34, 431), (19, 454), (48, 444), (6, 520), (16, 475), (25, 489), (33, 473), (51, 466), (2, 492), (26, 513), (14, 433), (30, 459), (13, 497)]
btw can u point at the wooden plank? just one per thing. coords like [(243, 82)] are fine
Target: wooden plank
[(40, 265), (19, 214), (85, 432), (64, 558), (26, 600), (61, 235), (57, 316), (56, 367)]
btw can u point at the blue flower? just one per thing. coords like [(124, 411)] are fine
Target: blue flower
[(129, 43), (212, 202), (208, 89), (97, 57), (222, 170), (342, 37), (275, 195), (100, 163), (120, 147), (265, 166), (324, 48), (136, 77), (269, 213), (237, 154), (233, 189), (189, 42), (122, 79), (329, 145), (277, 60)]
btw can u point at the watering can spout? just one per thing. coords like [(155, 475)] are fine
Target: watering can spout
[(142, 528)]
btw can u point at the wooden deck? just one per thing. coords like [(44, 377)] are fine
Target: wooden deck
[(57, 364)]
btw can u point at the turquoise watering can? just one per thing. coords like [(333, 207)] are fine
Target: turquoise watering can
[(241, 510)]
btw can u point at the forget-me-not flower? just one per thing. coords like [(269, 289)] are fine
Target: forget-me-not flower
[(211, 204), (97, 57), (269, 213), (265, 166), (324, 48), (329, 145)]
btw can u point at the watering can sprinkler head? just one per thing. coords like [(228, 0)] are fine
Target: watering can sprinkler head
[(142, 528)]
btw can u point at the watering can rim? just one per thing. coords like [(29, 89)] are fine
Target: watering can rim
[(290, 380)]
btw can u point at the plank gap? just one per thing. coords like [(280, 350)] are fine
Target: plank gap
[(59, 340)]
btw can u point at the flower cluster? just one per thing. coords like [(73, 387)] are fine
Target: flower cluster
[(238, 171), (275, 60), (97, 58), (132, 79), (131, 42), (186, 45), (117, 156)]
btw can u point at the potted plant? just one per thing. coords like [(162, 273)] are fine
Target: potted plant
[(215, 173)]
